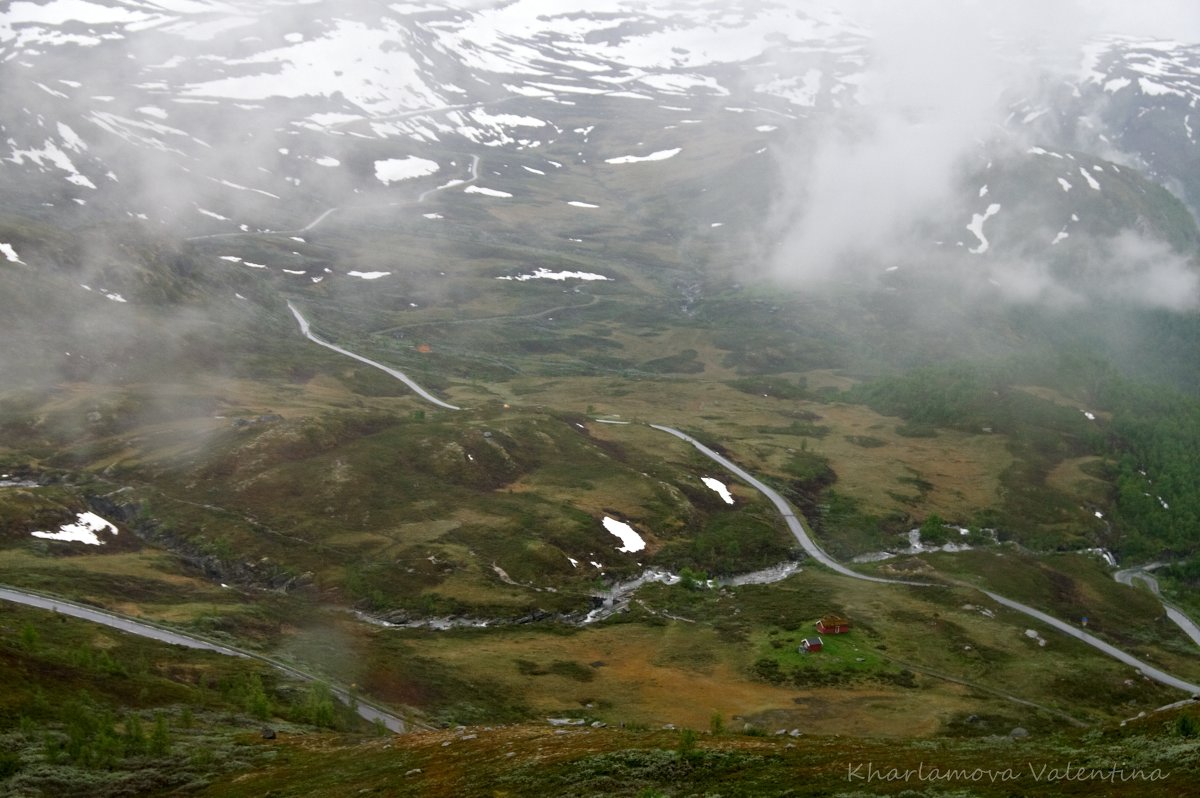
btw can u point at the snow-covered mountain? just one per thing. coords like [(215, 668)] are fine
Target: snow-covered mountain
[(222, 116)]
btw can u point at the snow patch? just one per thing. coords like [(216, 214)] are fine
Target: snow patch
[(82, 531), (10, 253), (632, 540), (718, 486), (661, 155), (546, 274), (976, 227), (393, 170), (487, 192)]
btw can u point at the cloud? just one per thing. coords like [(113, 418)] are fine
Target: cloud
[(865, 185), (930, 95)]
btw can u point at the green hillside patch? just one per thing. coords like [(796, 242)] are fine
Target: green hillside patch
[(85, 710)]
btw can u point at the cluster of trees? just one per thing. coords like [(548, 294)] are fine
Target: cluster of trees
[(94, 737), (1153, 438)]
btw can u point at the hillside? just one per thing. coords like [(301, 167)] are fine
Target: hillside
[(505, 362)]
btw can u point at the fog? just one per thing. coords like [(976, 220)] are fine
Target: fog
[(886, 175), (935, 104)]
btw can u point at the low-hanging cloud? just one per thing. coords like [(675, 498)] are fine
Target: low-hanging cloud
[(941, 78)]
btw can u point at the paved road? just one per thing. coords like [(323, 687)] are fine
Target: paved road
[(1142, 573), (785, 509), (1095, 642), (237, 233), (820, 556), (316, 221), (400, 375), (367, 711), (115, 621), (474, 176)]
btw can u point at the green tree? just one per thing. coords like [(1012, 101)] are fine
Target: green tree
[(686, 747), (29, 637), (160, 738), (318, 708), (692, 580), (933, 531), (135, 736)]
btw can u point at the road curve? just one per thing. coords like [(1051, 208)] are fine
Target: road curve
[(1127, 577), (316, 221), (820, 556), (1095, 642), (785, 509), (115, 621), (237, 233), (367, 711), (453, 184), (400, 375)]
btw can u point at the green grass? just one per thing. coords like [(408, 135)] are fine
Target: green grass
[(528, 760), (85, 710)]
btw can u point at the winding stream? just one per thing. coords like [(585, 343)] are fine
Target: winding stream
[(810, 546)]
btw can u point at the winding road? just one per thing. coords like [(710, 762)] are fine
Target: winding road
[(366, 710), (474, 175), (785, 509), (1142, 573), (376, 714), (820, 556), (400, 375), (453, 183), (1095, 642), (806, 541)]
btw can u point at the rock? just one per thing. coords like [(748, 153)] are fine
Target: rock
[(268, 733), (412, 772), (598, 724), (1019, 733)]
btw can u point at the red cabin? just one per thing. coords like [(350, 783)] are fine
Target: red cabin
[(833, 625), (811, 646)]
